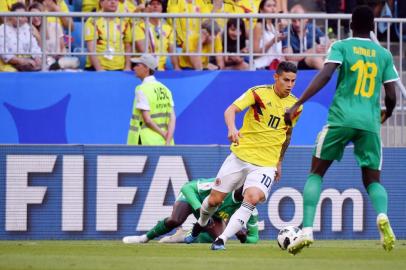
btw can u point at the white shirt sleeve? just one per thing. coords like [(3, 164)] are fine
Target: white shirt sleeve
[(142, 101)]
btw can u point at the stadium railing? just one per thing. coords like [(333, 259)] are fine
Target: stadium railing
[(394, 131)]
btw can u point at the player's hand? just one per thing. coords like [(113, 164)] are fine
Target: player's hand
[(242, 235), (288, 117), (234, 136), (384, 116), (278, 173)]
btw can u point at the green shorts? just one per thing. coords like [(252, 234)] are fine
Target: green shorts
[(332, 140)]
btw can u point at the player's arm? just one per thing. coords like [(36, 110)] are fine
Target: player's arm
[(285, 145), (171, 127), (146, 116), (390, 100), (191, 193), (229, 116), (321, 79)]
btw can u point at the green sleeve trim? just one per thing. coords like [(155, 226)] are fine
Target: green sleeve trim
[(191, 193)]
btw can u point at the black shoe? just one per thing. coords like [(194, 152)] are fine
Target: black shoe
[(192, 236), (218, 244)]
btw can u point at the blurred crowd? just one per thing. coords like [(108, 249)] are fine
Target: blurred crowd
[(180, 43)]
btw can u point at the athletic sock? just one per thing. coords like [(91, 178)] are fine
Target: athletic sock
[(238, 220), (311, 196), (206, 212), (158, 230), (379, 197)]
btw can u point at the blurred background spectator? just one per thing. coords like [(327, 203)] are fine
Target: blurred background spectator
[(267, 38), (23, 52), (160, 36), (235, 42), (301, 41), (208, 39), (110, 36)]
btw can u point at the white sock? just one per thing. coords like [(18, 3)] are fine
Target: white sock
[(238, 220), (206, 212)]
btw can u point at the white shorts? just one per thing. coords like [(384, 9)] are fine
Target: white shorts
[(235, 173)]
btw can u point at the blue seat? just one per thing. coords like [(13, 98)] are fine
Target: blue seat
[(77, 35), (77, 4)]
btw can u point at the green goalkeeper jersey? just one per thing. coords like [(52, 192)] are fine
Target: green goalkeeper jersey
[(197, 190), (364, 67)]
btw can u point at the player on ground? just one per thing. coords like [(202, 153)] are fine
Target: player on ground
[(354, 116), (257, 151), (189, 202)]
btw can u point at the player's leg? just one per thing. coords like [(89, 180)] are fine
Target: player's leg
[(367, 149), (181, 210), (229, 177), (330, 145), (209, 206), (256, 189)]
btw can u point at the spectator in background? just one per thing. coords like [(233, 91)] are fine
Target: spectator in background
[(54, 34), (109, 36), (225, 6), (248, 6), (301, 41), (235, 43), (57, 6), (124, 6), (153, 118), (267, 38), (5, 5), (334, 6), (160, 36), (209, 39), (16, 32), (186, 27), (282, 6)]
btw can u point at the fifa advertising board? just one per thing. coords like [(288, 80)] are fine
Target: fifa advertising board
[(106, 192)]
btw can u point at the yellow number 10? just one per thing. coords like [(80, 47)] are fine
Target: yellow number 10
[(366, 71)]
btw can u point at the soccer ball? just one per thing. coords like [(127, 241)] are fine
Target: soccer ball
[(287, 235)]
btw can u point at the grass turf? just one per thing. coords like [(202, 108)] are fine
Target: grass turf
[(93, 255)]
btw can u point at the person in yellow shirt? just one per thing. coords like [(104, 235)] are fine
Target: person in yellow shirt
[(257, 150), (158, 36), (124, 6), (187, 26), (110, 37), (57, 6), (210, 39), (225, 6), (5, 5)]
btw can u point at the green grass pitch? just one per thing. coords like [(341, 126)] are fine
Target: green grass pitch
[(113, 255)]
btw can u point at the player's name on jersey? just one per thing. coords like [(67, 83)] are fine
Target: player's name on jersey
[(364, 52)]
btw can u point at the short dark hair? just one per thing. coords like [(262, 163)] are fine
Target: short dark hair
[(17, 5), (286, 67), (362, 20)]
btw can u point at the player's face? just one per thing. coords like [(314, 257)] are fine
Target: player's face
[(284, 83)]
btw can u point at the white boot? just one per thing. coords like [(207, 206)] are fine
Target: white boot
[(135, 239), (177, 237)]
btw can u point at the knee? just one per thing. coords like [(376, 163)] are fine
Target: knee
[(215, 200), (254, 196)]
